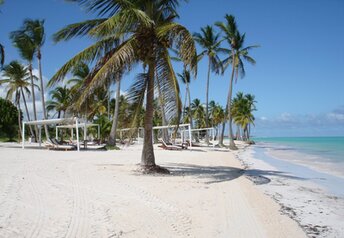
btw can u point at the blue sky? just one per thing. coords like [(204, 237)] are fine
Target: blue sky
[(298, 80)]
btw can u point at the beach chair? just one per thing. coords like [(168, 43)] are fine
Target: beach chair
[(169, 147), (56, 145)]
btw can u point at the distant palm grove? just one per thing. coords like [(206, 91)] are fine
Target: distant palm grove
[(133, 33)]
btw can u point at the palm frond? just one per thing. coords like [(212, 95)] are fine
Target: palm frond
[(88, 55), (122, 57), (76, 29), (179, 36), (136, 95), (122, 23), (169, 86), (103, 7)]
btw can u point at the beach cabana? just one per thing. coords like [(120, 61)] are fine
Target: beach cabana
[(210, 129), (74, 121), (185, 128)]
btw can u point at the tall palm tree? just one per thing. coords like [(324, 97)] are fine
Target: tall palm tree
[(16, 77), (186, 79), (112, 138), (34, 29), (60, 100), (26, 50), (210, 42), (236, 53), (148, 31)]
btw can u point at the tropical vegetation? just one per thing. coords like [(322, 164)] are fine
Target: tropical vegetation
[(139, 34), (8, 120)]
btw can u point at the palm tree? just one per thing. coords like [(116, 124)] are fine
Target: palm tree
[(197, 110), (236, 53), (61, 100), (26, 49), (186, 79), (242, 111), (148, 31), (34, 29), (210, 42), (16, 77), (112, 138)]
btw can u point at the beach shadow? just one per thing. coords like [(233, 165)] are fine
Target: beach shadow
[(214, 174), (260, 177)]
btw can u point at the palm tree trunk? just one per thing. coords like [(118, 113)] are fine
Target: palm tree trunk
[(163, 115), (189, 99), (184, 105), (19, 123), (27, 111), (232, 145), (42, 92), (206, 103), (147, 157), (237, 134), (33, 100), (222, 134), (108, 101), (112, 138)]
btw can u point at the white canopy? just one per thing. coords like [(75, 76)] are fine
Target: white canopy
[(74, 121), (52, 121), (84, 125)]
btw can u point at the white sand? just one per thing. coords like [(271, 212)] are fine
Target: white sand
[(319, 213), (98, 194)]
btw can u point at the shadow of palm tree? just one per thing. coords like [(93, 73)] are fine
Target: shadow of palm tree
[(259, 177), (214, 174)]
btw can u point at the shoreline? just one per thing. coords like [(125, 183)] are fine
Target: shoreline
[(301, 196)]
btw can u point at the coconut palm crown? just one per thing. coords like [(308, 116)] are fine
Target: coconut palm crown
[(132, 32)]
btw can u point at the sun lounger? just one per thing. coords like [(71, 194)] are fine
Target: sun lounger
[(169, 147), (53, 144), (96, 147)]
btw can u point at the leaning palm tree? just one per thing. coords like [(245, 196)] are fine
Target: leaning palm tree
[(236, 53), (147, 31), (16, 78), (210, 42), (26, 50)]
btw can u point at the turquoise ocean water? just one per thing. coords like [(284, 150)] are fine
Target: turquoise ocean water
[(329, 148), (319, 159)]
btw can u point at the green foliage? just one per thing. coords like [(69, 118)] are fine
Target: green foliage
[(8, 119), (105, 127), (242, 110)]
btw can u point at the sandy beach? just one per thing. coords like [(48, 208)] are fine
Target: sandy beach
[(99, 194), (314, 199)]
